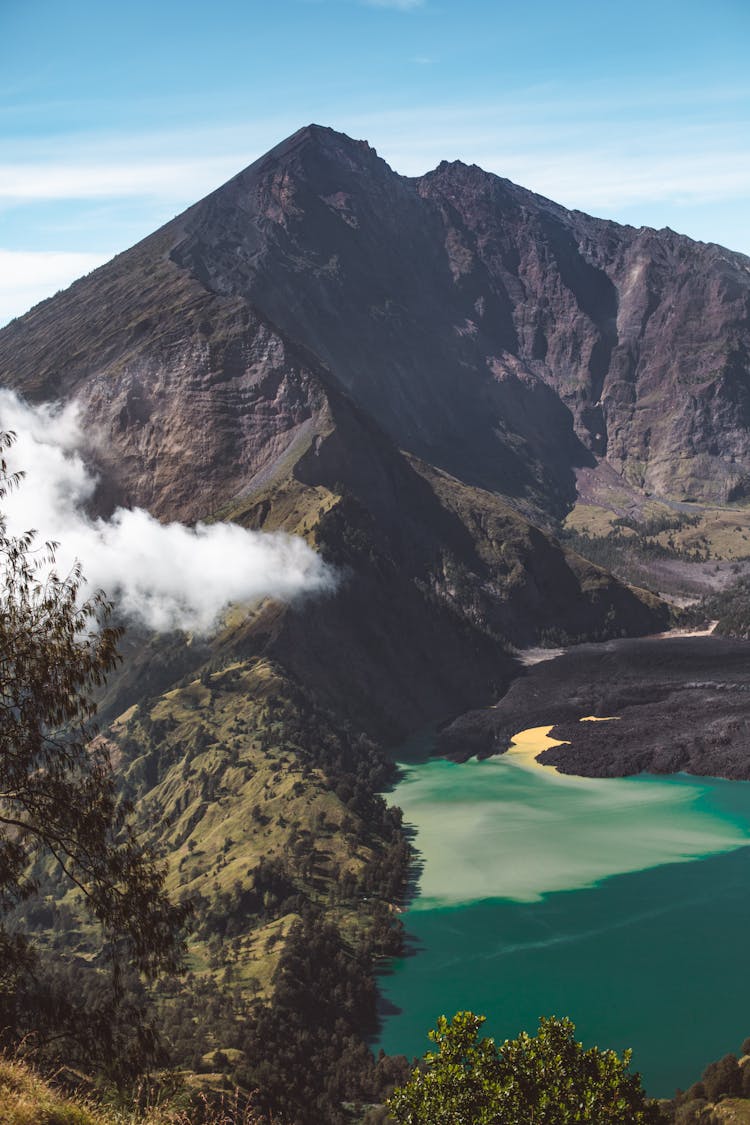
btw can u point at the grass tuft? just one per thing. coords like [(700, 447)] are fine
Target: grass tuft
[(26, 1098)]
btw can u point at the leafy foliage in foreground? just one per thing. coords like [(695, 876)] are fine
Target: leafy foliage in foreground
[(59, 803), (546, 1079)]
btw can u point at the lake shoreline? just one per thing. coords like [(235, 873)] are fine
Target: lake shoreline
[(683, 704)]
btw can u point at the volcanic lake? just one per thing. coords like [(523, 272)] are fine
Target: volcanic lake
[(623, 903)]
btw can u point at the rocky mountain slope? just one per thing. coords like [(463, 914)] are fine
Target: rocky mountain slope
[(324, 346), (485, 329), (409, 373)]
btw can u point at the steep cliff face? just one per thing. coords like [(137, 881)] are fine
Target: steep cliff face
[(189, 399), (351, 259), (643, 334)]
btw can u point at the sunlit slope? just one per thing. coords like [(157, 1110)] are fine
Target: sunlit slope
[(243, 784)]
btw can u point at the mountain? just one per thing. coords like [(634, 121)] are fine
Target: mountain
[(413, 374), (325, 346), (485, 329)]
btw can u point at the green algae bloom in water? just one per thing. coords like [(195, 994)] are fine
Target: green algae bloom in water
[(622, 903)]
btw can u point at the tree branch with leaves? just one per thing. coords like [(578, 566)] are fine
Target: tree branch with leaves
[(542, 1079), (59, 798)]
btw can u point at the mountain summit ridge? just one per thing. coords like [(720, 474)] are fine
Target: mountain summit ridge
[(458, 303), (641, 334)]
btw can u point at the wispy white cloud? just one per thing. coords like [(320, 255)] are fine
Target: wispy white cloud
[(23, 183), (155, 572), (589, 175), (27, 277), (608, 179), (605, 159)]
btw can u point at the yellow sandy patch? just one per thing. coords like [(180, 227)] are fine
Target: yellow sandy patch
[(527, 744)]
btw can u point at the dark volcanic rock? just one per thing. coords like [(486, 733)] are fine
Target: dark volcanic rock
[(352, 259), (680, 703), (451, 305)]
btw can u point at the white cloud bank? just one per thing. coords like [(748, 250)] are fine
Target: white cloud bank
[(163, 576)]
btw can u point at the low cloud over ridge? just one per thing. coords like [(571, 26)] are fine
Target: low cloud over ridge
[(165, 576)]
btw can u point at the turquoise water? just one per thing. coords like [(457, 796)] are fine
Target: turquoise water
[(623, 903)]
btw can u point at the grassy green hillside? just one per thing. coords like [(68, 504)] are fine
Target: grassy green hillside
[(265, 810), (262, 809)]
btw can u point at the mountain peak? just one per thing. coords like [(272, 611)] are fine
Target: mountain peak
[(456, 308), (317, 140)]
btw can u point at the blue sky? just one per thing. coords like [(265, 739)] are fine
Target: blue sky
[(114, 117)]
